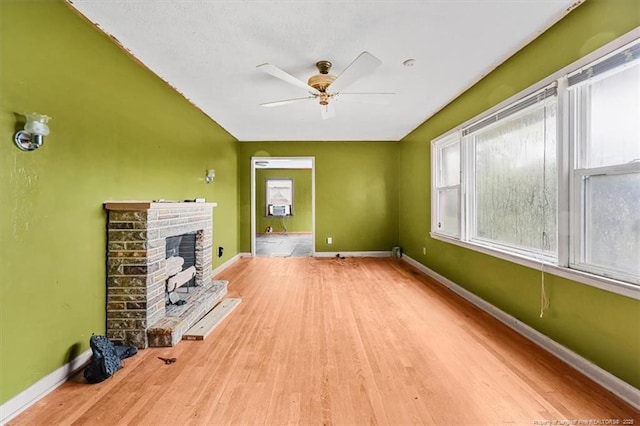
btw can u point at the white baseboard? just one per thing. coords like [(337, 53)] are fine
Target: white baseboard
[(42, 387), (341, 253), (352, 253), (607, 380), (228, 263)]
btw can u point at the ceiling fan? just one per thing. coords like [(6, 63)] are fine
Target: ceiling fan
[(326, 87)]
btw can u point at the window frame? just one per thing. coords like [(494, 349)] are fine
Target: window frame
[(567, 175)]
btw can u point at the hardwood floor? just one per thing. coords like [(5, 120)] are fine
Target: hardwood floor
[(330, 341)]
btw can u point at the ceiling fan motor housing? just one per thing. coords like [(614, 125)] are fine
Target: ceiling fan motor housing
[(322, 80)]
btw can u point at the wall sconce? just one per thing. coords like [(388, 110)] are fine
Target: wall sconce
[(210, 176), (35, 129)]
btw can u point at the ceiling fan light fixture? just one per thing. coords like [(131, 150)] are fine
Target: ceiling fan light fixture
[(324, 98)]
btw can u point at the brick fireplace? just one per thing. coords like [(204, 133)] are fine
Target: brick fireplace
[(138, 313)]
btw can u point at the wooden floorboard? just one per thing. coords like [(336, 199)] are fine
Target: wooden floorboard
[(209, 322), (339, 341)]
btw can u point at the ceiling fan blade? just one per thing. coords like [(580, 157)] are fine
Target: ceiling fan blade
[(278, 73), (364, 64), (284, 102), (327, 111), (365, 98)]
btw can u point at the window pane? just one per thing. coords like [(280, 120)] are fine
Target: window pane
[(614, 119), (515, 181), (612, 222), (450, 156), (279, 191), (449, 211)]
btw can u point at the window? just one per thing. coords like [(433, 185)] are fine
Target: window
[(512, 190), (605, 106), (447, 182), (279, 197), (551, 177)]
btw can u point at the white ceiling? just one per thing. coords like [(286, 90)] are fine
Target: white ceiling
[(208, 50)]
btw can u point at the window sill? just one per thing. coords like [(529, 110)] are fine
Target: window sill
[(603, 283)]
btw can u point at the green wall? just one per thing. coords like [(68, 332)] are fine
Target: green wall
[(356, 191), (117, 133), (599, 325), (301, 219)]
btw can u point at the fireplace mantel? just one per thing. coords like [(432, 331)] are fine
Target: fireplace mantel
[(152, 205)]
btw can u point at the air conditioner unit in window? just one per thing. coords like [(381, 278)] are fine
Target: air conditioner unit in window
[(279, 210)]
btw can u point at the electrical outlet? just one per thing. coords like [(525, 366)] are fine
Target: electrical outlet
[(329, 240), (424, 250)]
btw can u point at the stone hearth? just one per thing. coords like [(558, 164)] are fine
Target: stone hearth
[(137, 313)]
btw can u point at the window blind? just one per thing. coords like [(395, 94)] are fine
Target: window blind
[(512, 109), (626, 55)]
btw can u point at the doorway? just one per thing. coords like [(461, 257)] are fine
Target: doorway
[(283, 206)]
